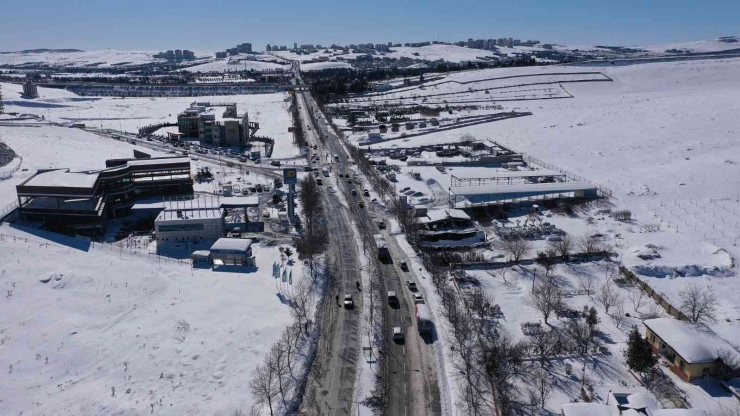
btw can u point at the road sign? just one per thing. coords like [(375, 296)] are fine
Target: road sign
[(290, 176)]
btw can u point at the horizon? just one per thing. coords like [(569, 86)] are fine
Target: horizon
[(152, 26)]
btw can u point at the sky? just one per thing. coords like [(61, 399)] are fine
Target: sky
[(154, 25)]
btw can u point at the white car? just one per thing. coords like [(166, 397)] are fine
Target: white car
[(418, 299), (397, 333)]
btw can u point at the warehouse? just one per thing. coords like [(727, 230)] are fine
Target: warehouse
[(475, 196), (232, 252)]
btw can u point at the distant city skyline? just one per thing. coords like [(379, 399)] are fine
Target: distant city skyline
[(188, 24)]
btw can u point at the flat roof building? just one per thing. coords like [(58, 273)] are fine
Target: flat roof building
[(232, 252), (218, 124), (81, 202), (193, 225)]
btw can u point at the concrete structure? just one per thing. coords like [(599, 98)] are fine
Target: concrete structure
[(691, 350), (232, 252), (626, 404), (30, 90), (81, 202)]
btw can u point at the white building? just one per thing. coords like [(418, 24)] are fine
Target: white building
[(196, 225)]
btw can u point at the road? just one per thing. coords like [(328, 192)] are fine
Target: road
[(411, 366)]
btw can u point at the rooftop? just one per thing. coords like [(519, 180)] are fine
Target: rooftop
[(188, 214), (589, 409), (442, 214), (63, 178), (231, 245), (693, 343), (514, 189)]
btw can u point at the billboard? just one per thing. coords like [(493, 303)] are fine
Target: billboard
[(290, 176)]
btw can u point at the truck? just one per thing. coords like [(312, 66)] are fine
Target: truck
[(423, 318), (383, 253)]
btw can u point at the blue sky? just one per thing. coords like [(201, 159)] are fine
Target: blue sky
[(215, 25)]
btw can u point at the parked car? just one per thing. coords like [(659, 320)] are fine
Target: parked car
[(365, 192), (275, 163)]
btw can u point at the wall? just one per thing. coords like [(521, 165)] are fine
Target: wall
[(212, 230)]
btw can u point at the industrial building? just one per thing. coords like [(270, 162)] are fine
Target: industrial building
[(216, 123), (81, 202), (448, 228), (485, 195)]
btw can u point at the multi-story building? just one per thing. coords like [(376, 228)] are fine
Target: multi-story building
[(244, 48), (178, 54), (170, 54), (81, 202), (207, 123), (186, 54), (30, 90), (221, 55)]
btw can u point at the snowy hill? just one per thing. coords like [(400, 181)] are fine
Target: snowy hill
[(105, 58)]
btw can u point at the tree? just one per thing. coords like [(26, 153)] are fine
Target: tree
[(563, 246), (544, 344), (608, 295), (638, 299), (546, 261), (579, 334), (639, 355), (699, 305), (264, 384), (587, 283), (592, 320), (542, 381), (588, 244), (515, 247), (546, 298), (729, 364)]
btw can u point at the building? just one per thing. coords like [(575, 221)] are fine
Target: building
[(626, 404), (244, 48), (81, 202), (268, 48), (217, 124), (445, 228), (232, 252), (691, 350), (192, 225), (30, 90), (186, 54)]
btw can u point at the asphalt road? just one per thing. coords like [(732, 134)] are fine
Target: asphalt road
[(411, 366)]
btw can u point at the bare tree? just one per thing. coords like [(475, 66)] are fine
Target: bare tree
[(563, 246), (654, 311), (618, 316), (277, 358), (587, 283), (699, 305), (588, 244), (608, 295), (264, 384), (545, 345), (515, 247), (729, 363), (638, 299), (302, 302), (543, 382), (579, 333), (546, 261), (546, 298), (609, 268)]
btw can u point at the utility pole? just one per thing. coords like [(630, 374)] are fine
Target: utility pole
[(1, 100)]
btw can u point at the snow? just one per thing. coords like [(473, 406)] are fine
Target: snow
[(231, 244), (64, 178), (106, 58), (225, 65), (534, 187), (693, 344), (85, 319), (589, 409), (318, 66)]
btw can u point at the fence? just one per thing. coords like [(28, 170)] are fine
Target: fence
[(7, 211), (8, 172), (658, 297)]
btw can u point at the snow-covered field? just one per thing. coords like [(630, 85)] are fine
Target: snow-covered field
[(102, 330), (242, 62), (318, 66), (269, 110), (104, 58)]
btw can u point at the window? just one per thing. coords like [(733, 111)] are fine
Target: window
[(180, 227), (705, 370), (681, 364)]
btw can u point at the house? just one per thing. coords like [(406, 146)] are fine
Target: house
[(692, 351), (445, 227), (232, 252)]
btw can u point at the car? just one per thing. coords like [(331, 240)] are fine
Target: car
[(348, 302), (392, 298), (266, 188), (319, 182), (404, 189), (365, 192), (404, 266), (354, 192), (308, 169), (330, 188), (275, 163), (418, 298), (411, 285), (242, 159), (397, 333), (381, 225), (259, 188), (245, 191), (361, 204), (349, 181)]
